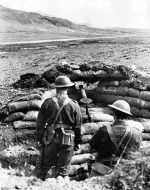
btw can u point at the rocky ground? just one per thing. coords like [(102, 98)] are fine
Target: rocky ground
[(134, 52)]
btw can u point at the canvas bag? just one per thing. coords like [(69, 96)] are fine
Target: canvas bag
[(100, 167)]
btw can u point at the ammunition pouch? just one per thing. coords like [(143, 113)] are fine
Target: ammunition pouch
[(68, 137)]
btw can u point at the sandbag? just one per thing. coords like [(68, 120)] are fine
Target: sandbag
[(105, 98), (96, 117), (146, 136), (134, 111), (81, 158), (87, 75), (122, 91), (146, 125), (24, 105), (14, 117), (100, 89), (49, 94), (118, 75), (101, 74), (74, 169), (104, 110), (145, 95), (75, 76), (109, 84), (110, 90), (86, 138), (144, 113), (133, 92), (24, 124), (135, 102), (84, 148), (90, 128), (31, 115), (29, 97), (147, 105)]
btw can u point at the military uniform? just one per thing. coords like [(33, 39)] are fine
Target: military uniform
[(103, 144), (56, 153)]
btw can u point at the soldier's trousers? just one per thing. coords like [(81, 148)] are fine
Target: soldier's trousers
[(55, 154)]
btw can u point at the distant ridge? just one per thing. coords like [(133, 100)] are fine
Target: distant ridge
[(17, 25)]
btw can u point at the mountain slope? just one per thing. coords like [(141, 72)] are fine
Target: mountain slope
[(17, 25)]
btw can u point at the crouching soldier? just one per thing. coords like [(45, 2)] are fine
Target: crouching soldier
[(112, 142), (61, 116)]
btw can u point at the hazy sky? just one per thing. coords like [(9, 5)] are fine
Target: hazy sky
[(96, 13)]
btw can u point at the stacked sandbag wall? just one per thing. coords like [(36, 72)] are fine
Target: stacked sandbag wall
[(25, 112), (93, 76), (23, 115), (109, 92)]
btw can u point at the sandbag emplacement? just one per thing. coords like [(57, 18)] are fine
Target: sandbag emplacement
[(24, 105), (145, 95), (97, 110), (28, 97), (86, 138), (146, 125), (101, 74), (24, 124), (101, 117), (14, 117), (134, 111), (90, 128), (31, 116), (81, 158), (133, 92), (122, 91), (110, 90), (144, 113), (87, 75), (84, 148), (109, 84), (146, 136), (117, 75)]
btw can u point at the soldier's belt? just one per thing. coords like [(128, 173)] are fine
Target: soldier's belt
[(62, 125)]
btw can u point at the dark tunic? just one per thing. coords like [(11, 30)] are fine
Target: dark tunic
[(102, 143), (71, 115)]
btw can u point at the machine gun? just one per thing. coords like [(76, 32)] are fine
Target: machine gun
[(86, 101)]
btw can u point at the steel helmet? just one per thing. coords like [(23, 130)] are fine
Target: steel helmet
[(122, 106), (63, 81)]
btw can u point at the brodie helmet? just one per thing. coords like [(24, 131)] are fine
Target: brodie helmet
[(122, 106), (63, 81)]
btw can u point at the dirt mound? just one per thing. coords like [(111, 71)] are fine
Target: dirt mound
[(133, 174), (85, 72)]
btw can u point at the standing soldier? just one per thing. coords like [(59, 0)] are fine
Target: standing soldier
[(112, 142), (61, 116)]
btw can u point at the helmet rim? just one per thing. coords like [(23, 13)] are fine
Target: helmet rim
[(62, 84), (120, 109)]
